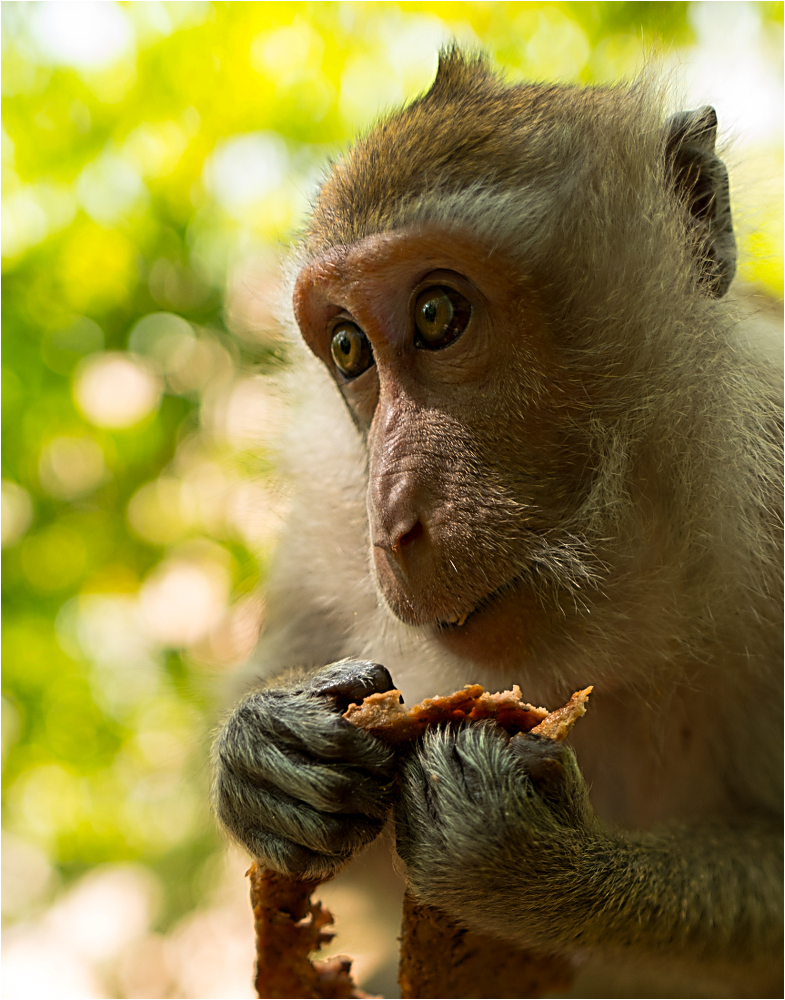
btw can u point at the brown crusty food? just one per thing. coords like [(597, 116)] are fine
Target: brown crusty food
[(440, 958), (289, 925), (385, 716)]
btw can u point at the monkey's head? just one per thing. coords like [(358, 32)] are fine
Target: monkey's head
[(484, 277)]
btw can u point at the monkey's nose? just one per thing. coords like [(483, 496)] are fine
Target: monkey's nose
[(408, 538), (400, 538)]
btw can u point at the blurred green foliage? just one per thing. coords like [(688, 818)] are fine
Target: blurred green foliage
[(149, 154)]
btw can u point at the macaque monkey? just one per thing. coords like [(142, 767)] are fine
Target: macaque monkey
[(538, 446)]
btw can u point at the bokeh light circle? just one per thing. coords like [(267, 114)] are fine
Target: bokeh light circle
[(116, 390)]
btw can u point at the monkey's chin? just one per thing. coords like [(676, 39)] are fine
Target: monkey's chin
[(501, 630)]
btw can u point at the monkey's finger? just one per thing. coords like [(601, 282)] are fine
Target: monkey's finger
[(301, 723), (325, 787), (446, 772), (247, 808), (308, 728), (551, 767), (540, 758), (459, 787), (289, 858), (465, 764), (554, 776), (350, 681), (417, 817)]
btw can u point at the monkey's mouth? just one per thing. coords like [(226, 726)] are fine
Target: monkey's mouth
[(459, 621), (455, 622), (501, 630), (430, 604)]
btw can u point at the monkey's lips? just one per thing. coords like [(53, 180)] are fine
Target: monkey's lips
[(499, 630), (505, 590), (459, 621)]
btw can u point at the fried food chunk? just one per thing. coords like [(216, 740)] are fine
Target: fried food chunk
[(385, 716)]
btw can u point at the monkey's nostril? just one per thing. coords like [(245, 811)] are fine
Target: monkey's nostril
[(410, 537)]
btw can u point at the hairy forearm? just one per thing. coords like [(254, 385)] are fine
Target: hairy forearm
[(714, 891), (710, 890)]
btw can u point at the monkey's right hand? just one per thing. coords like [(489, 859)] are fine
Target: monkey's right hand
[(300, 787)]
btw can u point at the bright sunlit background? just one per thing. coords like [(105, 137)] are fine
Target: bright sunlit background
[(157, 157)]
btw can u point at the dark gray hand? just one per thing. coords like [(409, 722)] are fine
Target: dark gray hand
[(300, 787), (493, 829)]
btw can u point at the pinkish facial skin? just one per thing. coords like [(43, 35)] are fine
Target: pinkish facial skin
[(449, 537)]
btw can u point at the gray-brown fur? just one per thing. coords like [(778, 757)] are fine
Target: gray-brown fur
[(622, 463)]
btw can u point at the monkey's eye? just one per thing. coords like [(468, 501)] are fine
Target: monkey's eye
[(440, 317), (351, 350)]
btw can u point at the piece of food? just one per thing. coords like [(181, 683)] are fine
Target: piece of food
[(439, 958), (289, 926), (385, 716)]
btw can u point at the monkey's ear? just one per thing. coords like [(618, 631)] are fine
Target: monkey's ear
[(460, 71), (701, 182)]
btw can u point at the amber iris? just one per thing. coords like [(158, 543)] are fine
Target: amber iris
[(351, 350), (440, 317)]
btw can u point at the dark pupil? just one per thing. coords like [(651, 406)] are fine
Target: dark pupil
[(440, 317), (350, 350)]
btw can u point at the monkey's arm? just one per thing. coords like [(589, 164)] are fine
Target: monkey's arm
[(501, 834), (283, 783)]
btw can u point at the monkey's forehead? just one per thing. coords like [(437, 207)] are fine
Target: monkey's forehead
[(463, 148)]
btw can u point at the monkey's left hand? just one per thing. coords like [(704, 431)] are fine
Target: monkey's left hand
[(494, 829)]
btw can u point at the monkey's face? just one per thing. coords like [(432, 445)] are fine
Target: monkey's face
[(468, 411)]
